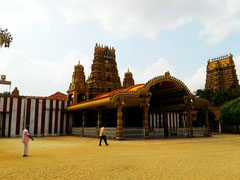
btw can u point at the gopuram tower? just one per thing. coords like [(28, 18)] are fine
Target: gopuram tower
[(128, 79), (104, 73), (221, 73), (78, 89)]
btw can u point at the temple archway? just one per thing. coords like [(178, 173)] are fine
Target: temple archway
[(170, 99)]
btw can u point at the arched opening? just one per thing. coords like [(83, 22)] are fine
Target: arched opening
[(167, 106)]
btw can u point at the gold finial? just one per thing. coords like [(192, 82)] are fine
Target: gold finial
[(78, 61), (167, 74), (128, 69)]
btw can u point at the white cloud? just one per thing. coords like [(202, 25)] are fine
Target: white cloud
[(20, 15), (39, 77), (152, 70), (237, 66), (194, 82), (197, 80), (125, 18)]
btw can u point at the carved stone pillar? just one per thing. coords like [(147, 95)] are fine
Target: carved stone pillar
[(119, 135), (75, 94), (207, 123), (145, 121), (83, 122), (180, 120), (189, 116), (165, 124), (99, 121)]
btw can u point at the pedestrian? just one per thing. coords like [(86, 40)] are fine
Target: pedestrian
[(102, 136), (25, 139)]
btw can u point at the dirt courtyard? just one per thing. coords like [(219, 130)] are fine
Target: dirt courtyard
[(216, 157)]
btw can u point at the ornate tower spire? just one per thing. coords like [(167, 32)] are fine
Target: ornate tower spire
[(221, 73), (104, 73), (128, 79), (78, 88)]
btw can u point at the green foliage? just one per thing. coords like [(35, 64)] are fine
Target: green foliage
[(218, 97), (230, 112), (6, 37), (200, 119)]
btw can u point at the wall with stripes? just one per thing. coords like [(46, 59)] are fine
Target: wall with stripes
[(45, 117)]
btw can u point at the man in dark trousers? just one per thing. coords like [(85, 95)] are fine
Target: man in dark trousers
[(102, 136)]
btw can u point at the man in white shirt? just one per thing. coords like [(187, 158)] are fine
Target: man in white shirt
[(103, 136)]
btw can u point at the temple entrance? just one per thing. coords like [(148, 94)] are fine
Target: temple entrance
[(166, 108)]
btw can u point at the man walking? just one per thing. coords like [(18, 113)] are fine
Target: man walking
[(25, 139), (102, 136)]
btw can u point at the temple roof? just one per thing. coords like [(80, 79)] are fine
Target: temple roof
[(172, 92)]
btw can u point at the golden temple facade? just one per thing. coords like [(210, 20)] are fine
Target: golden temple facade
[(104, 73), (221, 73), (128, 79), (161, 107)]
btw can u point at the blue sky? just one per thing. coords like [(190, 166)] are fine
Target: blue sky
[(150, 38)]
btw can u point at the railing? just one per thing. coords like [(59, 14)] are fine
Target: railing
[(77, 131), (156, 132), (110, 132), (199, 131), (136, 132), (182, 132), (90, 131)]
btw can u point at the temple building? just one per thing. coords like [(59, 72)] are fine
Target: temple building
[(128, 79), (221, 73), (161, 107), (78, 89), (104, 73)]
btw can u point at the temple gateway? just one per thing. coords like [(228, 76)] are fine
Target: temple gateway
[(161, 107)]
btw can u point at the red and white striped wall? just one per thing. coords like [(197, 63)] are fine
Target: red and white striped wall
[(45, 117)]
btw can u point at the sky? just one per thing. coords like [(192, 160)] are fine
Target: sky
[(150, 37)]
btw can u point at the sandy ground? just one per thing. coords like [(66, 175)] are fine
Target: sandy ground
[(216, 157)]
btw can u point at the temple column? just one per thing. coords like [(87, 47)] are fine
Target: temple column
[(189, 117), (75, 94), (83, 122), (207, 123), (145, 121), (87, 95), (99, 121), (165, 124), (119, 132)]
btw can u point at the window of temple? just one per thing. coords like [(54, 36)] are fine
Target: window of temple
[(108, 78)]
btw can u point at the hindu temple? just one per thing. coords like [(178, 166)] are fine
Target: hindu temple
[(162, 107)]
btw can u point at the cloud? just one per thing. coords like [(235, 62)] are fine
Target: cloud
[(123, 18), (21, 15), (39, 77), (197, 80), (157, 68), (126, 18)]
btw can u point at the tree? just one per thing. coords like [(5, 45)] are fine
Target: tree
[(230, 112), (200, 119), (5, 38), (218, 97)]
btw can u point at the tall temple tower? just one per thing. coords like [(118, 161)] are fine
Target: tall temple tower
[(78, 89), (128, 79), (104, 73), (221, 73)]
